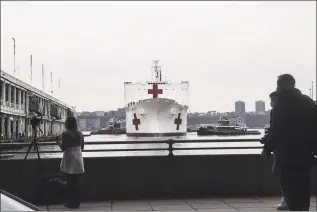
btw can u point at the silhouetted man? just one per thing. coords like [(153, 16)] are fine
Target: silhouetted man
[(292, 138)]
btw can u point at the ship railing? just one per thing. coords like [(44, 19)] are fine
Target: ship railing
[(236, 146)]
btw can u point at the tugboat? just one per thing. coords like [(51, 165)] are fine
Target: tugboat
[(114, 127), (224, 127)]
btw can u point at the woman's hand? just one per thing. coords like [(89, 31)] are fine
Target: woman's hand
[(265, 152)]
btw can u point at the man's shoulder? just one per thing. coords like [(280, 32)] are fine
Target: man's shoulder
[(66, 133), (308, 100)]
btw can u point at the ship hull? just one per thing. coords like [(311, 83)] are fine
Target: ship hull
[(203, 131), (154, 134), (156, 117)]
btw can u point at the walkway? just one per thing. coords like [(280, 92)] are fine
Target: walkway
[(202, 205)]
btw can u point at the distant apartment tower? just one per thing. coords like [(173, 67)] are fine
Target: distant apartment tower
[(240, 107), (99, 113), (82, 124), (260, 106)]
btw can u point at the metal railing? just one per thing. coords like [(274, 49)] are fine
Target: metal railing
[(170, 146), (10, 104)]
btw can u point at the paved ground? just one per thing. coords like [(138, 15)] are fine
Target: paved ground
[(202, 205)]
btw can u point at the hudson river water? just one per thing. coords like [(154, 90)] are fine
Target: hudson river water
[(215, 141)]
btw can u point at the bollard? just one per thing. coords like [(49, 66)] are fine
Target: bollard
[(170, 147)]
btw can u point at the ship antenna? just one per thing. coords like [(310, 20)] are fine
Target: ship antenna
[(157, 71), (160, 75)]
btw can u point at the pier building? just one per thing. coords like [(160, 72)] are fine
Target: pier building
[(15, 111)]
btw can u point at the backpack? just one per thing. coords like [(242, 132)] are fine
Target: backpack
[(52, 190)]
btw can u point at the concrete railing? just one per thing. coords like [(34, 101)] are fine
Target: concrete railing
[(150, 177)]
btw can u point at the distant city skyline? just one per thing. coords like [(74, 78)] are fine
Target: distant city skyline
[(228, 51), (259, 106)]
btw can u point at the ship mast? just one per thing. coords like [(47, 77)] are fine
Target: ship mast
[(157, 71)]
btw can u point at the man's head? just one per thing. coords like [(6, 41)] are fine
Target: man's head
[(273, 97), (285, 82)]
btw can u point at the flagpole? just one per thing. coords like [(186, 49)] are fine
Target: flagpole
[(42, 77), (312, 90), (59, 88), (51, 83), (310, 93), (31, 64), (13, 56)]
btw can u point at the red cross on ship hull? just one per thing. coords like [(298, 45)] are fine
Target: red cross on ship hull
[(155, 91), (178, 121), (136, 122)]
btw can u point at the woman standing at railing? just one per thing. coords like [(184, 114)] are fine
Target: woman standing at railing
[(72, 164), (282, 206)]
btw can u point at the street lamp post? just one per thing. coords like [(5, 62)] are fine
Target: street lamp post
[(310, 93), (14, 68), (312, 90)]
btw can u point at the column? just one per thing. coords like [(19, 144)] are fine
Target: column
[(14, 96), (3, 98), (26, 127), (26, 103), (22, 125), (2, 124), (19, 125), (48, 110), (23, 96), (9, 126), (9, 93), (14, 127), (19, 99), (53, 128), (44, 108), (43, 103), (45, 128)]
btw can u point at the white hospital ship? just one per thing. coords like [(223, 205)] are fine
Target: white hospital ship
[(156, 108)]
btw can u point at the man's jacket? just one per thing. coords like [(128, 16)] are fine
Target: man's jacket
[(292, 134)]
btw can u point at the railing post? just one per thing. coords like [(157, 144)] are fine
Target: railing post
[(170, 147)]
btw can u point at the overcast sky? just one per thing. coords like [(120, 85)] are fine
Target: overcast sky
[(227, 51)]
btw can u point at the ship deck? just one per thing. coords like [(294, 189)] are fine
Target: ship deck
[(186, 205)]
